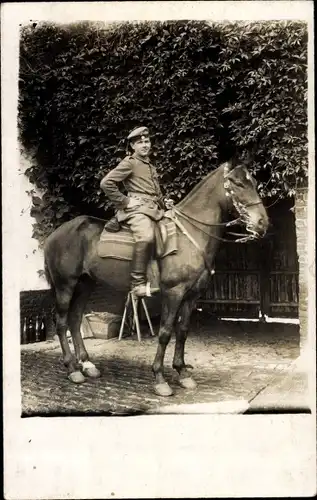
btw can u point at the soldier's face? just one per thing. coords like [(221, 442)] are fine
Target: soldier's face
[(141, 146)]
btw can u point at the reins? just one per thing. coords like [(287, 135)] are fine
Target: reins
[(242, 237), (231, 223), (194, 242)]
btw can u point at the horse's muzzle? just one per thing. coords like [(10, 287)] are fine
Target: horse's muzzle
[(261, 227), (258, 229)]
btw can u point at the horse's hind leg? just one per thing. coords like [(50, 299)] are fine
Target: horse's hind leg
[(63, 299), (182, 328), (75, 315)]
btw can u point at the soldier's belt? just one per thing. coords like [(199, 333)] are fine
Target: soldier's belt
[(145, 197)]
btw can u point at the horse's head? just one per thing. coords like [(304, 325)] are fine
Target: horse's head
[(240, 189)]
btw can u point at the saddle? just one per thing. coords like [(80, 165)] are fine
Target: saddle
[(113, 225), (118, 242)]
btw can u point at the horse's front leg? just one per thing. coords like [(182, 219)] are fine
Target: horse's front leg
[(170, 305), (182, 328)]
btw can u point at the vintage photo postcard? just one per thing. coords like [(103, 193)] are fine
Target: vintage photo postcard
[(158, 249)]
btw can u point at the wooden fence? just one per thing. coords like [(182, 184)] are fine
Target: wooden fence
[(36, 316), (251, 280)]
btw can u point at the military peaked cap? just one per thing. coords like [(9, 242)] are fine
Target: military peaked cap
[(138, 132)]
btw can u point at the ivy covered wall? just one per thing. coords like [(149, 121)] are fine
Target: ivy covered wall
[(206, 90)]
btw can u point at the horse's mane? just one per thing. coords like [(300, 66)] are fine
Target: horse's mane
[(198, 186)]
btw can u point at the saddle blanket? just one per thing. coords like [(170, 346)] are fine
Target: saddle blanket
[(120, 245)]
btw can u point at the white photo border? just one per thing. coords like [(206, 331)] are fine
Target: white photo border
[(152, 456)]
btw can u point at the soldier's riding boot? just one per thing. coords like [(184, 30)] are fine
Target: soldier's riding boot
[(141, 258)]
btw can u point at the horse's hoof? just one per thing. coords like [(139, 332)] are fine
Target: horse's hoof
[(90, 370), (188, 383), (163, 389), (76, 377)]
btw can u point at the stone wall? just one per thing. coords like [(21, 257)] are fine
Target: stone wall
[(301, 211)]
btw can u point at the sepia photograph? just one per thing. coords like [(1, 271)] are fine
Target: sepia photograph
[(164, 174)]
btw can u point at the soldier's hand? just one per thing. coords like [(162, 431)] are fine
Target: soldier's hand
[(169, 203), (133, 202)]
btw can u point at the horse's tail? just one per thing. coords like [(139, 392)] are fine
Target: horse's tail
[(48, 275)]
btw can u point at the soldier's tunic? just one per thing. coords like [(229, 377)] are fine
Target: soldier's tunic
[(140, 179)]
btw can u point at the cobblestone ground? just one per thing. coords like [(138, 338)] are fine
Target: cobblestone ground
[(232, 361)]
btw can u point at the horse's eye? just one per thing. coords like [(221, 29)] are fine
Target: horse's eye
[(239, 183)]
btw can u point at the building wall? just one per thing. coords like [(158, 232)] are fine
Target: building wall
[(31, 256), (301, 212)]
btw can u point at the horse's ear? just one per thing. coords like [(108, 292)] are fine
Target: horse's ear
[(250, 155), (230, 165), (249, 158)]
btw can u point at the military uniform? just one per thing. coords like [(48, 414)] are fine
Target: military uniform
[(140, 180)]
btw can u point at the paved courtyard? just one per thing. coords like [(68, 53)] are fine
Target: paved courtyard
[(233, 363)]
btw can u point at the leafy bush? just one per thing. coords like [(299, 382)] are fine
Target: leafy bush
[(265, 69), (205, 91)]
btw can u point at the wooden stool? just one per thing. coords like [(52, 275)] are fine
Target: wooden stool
[(134, 301)]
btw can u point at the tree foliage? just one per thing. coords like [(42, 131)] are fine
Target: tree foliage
[(205, 90)]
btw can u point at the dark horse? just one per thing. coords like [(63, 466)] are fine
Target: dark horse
[(73, 266)]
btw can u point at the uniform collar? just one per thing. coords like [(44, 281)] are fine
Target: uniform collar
[(134, 155)]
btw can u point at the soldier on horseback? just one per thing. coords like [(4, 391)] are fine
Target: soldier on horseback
[(73, 263), (141, 208)]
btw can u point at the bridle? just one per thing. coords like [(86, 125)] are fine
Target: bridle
[(241, 209)]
